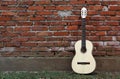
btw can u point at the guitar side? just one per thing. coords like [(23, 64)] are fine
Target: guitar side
[(83, 63)]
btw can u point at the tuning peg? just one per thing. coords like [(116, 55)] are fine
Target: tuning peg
[(83, 12)]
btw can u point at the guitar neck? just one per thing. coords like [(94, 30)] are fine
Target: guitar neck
[(83, 33)]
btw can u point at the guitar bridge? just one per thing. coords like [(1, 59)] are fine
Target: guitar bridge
[(83, 63)]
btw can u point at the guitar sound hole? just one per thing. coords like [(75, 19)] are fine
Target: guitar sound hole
[(83, 49), (83, 63)]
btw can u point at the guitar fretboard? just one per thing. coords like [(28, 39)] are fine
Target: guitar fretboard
[(83, 33)]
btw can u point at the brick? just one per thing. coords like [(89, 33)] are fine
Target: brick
[(90, 28), (106, 38), (34, 38), (76, 8), (10, 29), (112, 23), (96, 8), (8, 13), (44, 13), (76, 12), (97, 44), (72, 23), (9, 34), (72, 28), (24, 23), (92, 13), (117, 48), (93, 2), (113, 43), (55, 38), (5, 39), (22, 49), (61, 33), (8, 3), (113, 18), (116, 28), (112, 33), (58, 28), (20, 18), (71, 38), (114, 8), (93, 38), (13, 8), (76, 33), (45, 44), (27, 2), (88, 18), (99, 53), (72, 18), (26, 13), (108, 13), (118, 13), (39, 28), (21, 39), (3, 23), (77, 2), (43, 2), (37, 18), (27, 34), (109, 2), (4, 8), (98, 18), (101, 33), (36, 23), (50, 18), (64, 7), (1, 45), (29, 44), (22, 28), (60, 2), (13, 44), (61, 44), (48, 7), (44, 34), (2, 29), (35, 8), (118, 38), (5, 18), (96, 23), (101, 48), (113, 53), (104, 28)]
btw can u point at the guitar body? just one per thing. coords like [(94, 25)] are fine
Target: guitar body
[(83, 63)]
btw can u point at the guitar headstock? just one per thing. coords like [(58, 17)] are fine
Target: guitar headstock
[(83, 12)]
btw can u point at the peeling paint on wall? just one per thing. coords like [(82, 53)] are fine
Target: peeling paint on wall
[(64, 13), (7, 49)]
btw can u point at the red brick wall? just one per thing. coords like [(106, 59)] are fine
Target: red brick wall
[(50, 27)]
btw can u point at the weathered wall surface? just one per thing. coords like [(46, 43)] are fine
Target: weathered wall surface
[(50, 28)]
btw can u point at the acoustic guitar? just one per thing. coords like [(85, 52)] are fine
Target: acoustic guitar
[(83, 62)]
